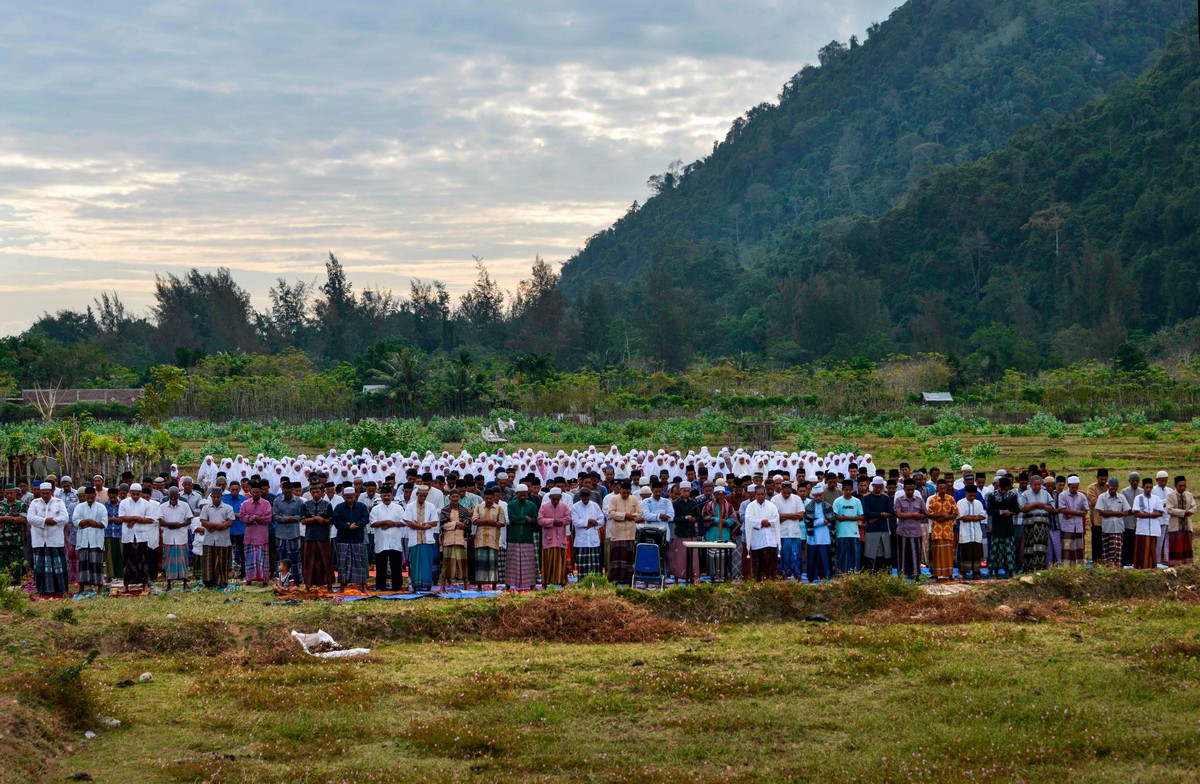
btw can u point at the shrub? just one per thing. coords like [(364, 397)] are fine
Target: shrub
[(447, 429), (638, 428), (217, 448), (983, 450), (64, 689)]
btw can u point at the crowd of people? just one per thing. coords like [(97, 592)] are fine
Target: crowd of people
[(527, 519)]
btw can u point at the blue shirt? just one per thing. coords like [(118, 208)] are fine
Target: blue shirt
[(112, 530), (239, 528), (820, 527)]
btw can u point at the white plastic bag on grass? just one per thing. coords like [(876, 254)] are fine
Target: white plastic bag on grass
[(322, 645)]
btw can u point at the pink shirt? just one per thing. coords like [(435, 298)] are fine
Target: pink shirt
[(551, 513), (256, 535)]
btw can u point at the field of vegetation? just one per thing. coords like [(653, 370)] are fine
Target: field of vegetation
[(1073, 676), (946, 439)]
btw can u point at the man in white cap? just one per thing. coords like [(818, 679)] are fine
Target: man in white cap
[(818, 522), (1160, 491), (422, 518), (521, 533), (1073, 510), (48, 520), (135, 512)]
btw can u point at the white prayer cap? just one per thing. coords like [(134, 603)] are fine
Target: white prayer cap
[(879, 480), (1163, 475), (521, 489), (66, 479), (817, 489), (719, 489), (136, 487), (555, 491), (502, 475), (645, 490), (349, 491), (45, 486), (966, 467), (1072, 480)]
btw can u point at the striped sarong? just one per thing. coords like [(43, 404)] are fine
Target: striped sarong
[(910, 555), (175, 562), (351, 563), (214, 566), (941, 562), (1179, 550), (420, 566), (454, 564), (502, 562), (1145, 551), (522, 566), (970, 556), (289, 550), (50, 569), (587, 560), (554, 566), (91, 566), (1072, 548), (486, 570), (1111, 548), (257, 567), (620, 561)]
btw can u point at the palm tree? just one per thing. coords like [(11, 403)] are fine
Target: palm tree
[(403, 375)]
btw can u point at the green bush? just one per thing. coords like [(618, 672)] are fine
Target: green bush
[(638, 429), (447, 429), (217, 448), (983, 450)]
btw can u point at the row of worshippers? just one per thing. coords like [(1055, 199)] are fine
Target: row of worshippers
[(471, 530)]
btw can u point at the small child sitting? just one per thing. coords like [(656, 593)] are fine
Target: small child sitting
[(284, 582)]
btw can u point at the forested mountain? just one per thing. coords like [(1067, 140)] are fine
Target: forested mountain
[(941, 83)]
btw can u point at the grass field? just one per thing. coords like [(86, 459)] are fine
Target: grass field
[(1077, 675)]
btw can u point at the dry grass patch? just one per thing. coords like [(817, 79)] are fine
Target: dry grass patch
[(569, 616)]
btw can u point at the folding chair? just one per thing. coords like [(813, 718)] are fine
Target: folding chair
[(646, 567)]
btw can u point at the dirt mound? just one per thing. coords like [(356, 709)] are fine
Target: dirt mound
[(958, 608), (572, 617)]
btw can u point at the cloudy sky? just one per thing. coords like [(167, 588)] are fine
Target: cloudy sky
[(141, 138)]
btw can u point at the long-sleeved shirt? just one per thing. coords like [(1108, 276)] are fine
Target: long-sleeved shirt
[(1078, 502), (89, 538), (140, 532), (347, 515), (414, 512), (818, 517), (623, 516), (997, 503), (489, 535), (455, 524), (581, 513), (762, 525), (47, 522), (256, 516), (1180, 508), (906, 505), (875, 506), (520, 530), (554, 519)]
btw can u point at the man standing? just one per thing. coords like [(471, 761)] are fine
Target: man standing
[(454, 522), (1073, 511), (216, 518), (910, 529), (391, 534), (848, 512), (489, 520), (818, 517), (12, 535), (422, 517), (761, 521), (175, 518), (943, 512), (791, 530), (114, 556), (1148, 509), (1094, 491), (553, 517), (287, 511), (970, 533), (1160, 492), (624, 514), (256, 514), (90, 519), (1112, 508), (1036, 505), (1131, 493), (587, 518), (48, 520), (1003, 506), (878, 512), (351, 518), (1181, 505), (318, 553), (135, 514)]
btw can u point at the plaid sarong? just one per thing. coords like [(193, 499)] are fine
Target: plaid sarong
[(554, 566), (1072, 548), (1179, 544), (72, 564), (486, 570), (587, 560), (215, 563), (257, 567), (175, 562), (620, 561), (970, 556), (522, 566), (351, 563), (1112, 548), (91, 566), (289, 549), (501, 562), (50, 569)]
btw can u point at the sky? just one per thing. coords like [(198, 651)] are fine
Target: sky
[(145, 138)]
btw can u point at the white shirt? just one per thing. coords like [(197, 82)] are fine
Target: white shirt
[(580, 514), (89, 538), (1147, 526), (969, 532), (140, 532), (197, 536), (431, 516), (789, 529), (180, 513), (762, 521), (42, 535), (1161, 494), (391, 538)]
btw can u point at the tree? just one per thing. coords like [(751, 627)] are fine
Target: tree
[(335, 310), (975, 249), (1052, 218), (403, 375), (167, 390), (207, 310), (482, 308), (429, 305), (287, 322), (539, 313)]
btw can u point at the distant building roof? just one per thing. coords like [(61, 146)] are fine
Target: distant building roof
[(373, 388), (937, 397)]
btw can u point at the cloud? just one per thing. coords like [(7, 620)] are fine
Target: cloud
[(405, 137)]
